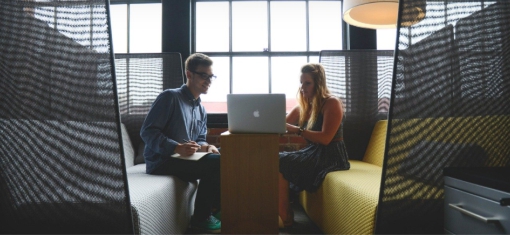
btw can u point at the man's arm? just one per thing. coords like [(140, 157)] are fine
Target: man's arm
[(202, 130), (202, 136), (154, 124)]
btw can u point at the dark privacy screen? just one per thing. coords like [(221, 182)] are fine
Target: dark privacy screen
[(362, 78), (61, 164), (449, 108)]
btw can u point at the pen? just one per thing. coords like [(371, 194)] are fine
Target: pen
[(187, 141)]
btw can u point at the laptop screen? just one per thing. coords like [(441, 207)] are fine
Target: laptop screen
[(256, 113)]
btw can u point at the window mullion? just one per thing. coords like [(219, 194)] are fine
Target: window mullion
[(269, 43), (307, 32), (55, 17), (231, 59), (128, 26)]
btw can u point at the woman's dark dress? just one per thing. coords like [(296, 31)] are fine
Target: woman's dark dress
[(306, 168)]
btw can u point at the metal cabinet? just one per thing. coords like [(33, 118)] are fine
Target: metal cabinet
[(477, 200)]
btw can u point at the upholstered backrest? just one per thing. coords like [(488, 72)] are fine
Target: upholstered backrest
[(129, 151), (141, 77), (375, 149)]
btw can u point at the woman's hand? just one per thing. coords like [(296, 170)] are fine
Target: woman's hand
[(187, 149), (333, 113), (292, 129)]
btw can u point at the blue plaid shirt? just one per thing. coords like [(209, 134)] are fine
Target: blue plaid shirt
[(175, 115)]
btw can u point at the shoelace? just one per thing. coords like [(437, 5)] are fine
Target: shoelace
[(213, 219)]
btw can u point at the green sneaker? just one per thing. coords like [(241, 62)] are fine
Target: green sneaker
[(217, 215), (211, 225)]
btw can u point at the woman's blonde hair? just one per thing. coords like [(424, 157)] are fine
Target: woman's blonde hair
[(313, 106)]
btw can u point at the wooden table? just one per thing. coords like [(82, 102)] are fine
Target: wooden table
[(249, 183)]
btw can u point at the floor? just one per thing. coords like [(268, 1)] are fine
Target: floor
[(302, 224)]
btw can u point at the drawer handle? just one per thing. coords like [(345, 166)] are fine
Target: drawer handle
[(474, 215)]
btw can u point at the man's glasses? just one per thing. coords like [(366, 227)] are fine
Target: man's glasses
[(205, 76)]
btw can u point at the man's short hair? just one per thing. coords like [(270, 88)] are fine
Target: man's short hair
[(197, 59)]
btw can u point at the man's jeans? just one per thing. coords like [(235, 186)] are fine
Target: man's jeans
[(207, 170)]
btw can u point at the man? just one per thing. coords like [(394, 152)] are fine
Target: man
[(177, 123)]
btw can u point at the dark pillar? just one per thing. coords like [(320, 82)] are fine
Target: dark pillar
[(361, 38), (177, 27)]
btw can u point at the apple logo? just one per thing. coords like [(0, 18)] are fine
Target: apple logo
[(256, 113)]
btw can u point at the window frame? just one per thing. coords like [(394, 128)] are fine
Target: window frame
[(219, 120), (129, 3)]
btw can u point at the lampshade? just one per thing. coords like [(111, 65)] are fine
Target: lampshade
[(380, 14)]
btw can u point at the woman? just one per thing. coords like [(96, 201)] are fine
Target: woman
[(317, 118)]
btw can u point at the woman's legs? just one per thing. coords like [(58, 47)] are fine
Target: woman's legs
[(284, 210)]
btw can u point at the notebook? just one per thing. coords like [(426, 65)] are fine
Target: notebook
[(256, 113)]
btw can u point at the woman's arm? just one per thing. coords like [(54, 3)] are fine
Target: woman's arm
[(293, 116), (333, 114), (292, 120)]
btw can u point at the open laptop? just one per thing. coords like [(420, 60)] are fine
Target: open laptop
[(256, 113)]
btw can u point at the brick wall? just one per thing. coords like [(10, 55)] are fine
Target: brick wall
[(288, 142)]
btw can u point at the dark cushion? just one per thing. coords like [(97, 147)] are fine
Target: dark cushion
[(139, 159)]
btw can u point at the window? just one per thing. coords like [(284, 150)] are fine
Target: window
[(57, 17), (259, 46), (386, 39), (136, 28)]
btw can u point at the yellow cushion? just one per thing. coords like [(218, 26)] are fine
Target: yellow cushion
[(375, 149), (346, 201)]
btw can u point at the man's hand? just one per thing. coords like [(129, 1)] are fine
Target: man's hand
[(212, 149), (187, 149)]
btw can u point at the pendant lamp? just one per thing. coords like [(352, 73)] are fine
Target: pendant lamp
[(380, 14)]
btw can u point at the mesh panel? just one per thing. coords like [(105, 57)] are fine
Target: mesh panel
[(362, 78), (449, 108), (140, 79), (61, 165)]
